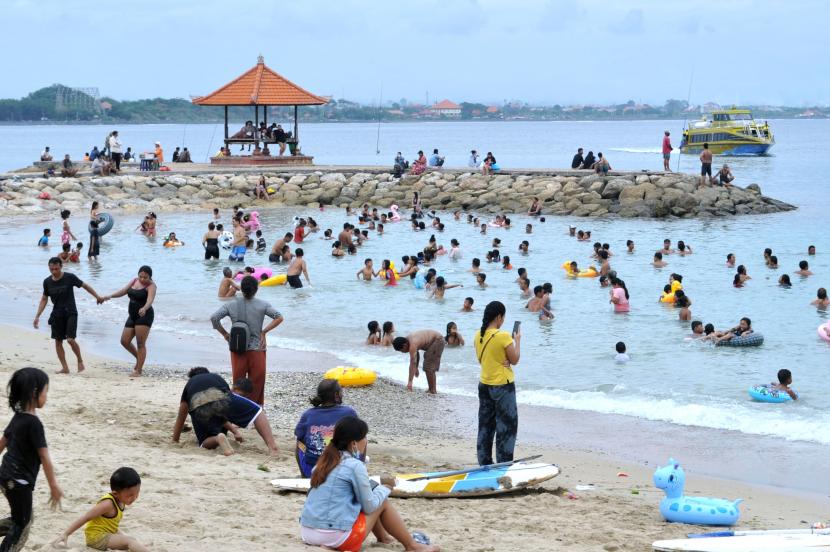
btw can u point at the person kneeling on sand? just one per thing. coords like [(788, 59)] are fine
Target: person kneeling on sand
[(343, 504), (316, 425), (432, 343), (214, 411)]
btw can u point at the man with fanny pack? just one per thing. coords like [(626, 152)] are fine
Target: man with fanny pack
[(246, 338)]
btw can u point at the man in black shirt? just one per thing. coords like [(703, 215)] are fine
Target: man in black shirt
[(214, 411), (577, 160), (64, 318)]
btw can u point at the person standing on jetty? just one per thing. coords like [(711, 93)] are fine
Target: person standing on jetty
[(705, 165), (64, 317), (667, 149), (247, 315), (432, 343), (497, 351), (115, 149)]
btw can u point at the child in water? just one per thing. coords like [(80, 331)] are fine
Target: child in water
[(441, 286), (260, 242), (388, 334), (103, 519), (480, 280), (453, 338), (388, 273), (44, 239), (227, 287), (367, 271), (682, 302), (67, 234), (374, 337), (468, 305), (75, 255), (621, 357), (65, 253), (785, 379)]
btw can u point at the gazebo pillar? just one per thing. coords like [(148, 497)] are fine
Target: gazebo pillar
[(296, 127)]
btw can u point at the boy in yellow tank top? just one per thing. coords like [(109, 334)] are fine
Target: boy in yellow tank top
[(103, 519)]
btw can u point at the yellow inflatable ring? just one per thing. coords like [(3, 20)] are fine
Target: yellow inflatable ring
[(173, 244), (675, 285), (667, 297), (349, 376), (276, 280), (589, 272)]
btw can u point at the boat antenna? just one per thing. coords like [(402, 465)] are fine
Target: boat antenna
[(686, 118), (380, 111)]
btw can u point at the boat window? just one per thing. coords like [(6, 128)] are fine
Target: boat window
[(742, 117)]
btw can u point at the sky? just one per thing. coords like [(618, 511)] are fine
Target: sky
[(490, 51)]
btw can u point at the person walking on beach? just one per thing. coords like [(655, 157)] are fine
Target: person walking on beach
[(667, 149), (115, 149), (432, 343), (141, 292), (497, 351), (24, 441), (64, 317), (705, 165), (248, 351)]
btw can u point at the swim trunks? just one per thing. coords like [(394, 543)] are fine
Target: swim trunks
[(133, 319), (63, 326), (667, 156), (706, 168), (432, 356), (294, 281), (273, 258), (238, 253)]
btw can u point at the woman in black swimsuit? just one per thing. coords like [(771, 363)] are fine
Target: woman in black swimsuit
[(210, 241), (142, 293)]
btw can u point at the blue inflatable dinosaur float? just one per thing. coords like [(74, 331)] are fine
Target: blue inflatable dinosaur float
[(687, 509)]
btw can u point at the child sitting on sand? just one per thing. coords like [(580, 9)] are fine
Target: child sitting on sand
[(785, 379), (103, 519), (453, 338)]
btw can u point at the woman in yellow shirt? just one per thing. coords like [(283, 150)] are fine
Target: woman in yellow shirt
[(497, 352)]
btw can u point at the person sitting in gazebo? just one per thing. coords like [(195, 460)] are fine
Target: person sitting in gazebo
[(280, 137), (248, 132)]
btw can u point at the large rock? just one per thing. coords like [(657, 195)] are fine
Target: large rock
[(614, 187)]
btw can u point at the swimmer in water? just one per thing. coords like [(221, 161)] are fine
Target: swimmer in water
[(210, 241), (629, 244), (803, 269), (481, 280), (821, 301), (65, 253), (388, 273), (730, 260), (441, 286), (684, 249), (227, 287), (336, 251), (468, 305), (697, 329), (667, 250), (742, 274), (367, 273), (773, 262), (475, 266), (453, 338), (682, 302), (785, 379), (743, 328), (537, 301), (374, 333), (524, 288), (388, 334), (298, 266), (658, 261)]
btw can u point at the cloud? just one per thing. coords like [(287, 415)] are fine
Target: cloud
[(560, 15), (631, 23)]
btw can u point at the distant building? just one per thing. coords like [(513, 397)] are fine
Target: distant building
[(492, 110), (446, 108)]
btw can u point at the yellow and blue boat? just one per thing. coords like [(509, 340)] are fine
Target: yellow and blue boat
[(728, 132)]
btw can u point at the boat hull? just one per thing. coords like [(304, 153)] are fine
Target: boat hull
[(729, 149)]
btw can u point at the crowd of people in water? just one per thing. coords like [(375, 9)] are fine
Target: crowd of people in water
[(331, 439)]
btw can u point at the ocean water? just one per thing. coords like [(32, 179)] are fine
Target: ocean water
[(567, 363)]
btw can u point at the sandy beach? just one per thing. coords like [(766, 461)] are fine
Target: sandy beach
[(198, 500)]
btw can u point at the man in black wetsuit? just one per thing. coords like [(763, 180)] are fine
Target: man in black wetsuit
[(577, 160)]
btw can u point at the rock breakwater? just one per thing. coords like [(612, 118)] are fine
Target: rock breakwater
[(655, 195)]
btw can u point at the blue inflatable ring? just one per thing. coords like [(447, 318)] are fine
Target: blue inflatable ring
[(105, 223), (765, 393)]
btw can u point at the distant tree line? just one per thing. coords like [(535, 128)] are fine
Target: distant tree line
[(58, 103)]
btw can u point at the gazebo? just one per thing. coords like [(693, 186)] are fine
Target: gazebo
[(261, 86)]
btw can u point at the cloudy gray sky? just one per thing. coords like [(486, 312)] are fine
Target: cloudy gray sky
[(555, 51)]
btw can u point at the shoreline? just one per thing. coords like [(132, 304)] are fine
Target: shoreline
[(794, 470), (181, 504)]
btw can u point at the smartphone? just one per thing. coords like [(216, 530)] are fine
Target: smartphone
[(516, 325)]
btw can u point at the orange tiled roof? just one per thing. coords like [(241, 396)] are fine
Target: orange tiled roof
[(260, 85), (446, 104)]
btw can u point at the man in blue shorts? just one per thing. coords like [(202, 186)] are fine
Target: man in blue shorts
[(214, 410), (240, 239)]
